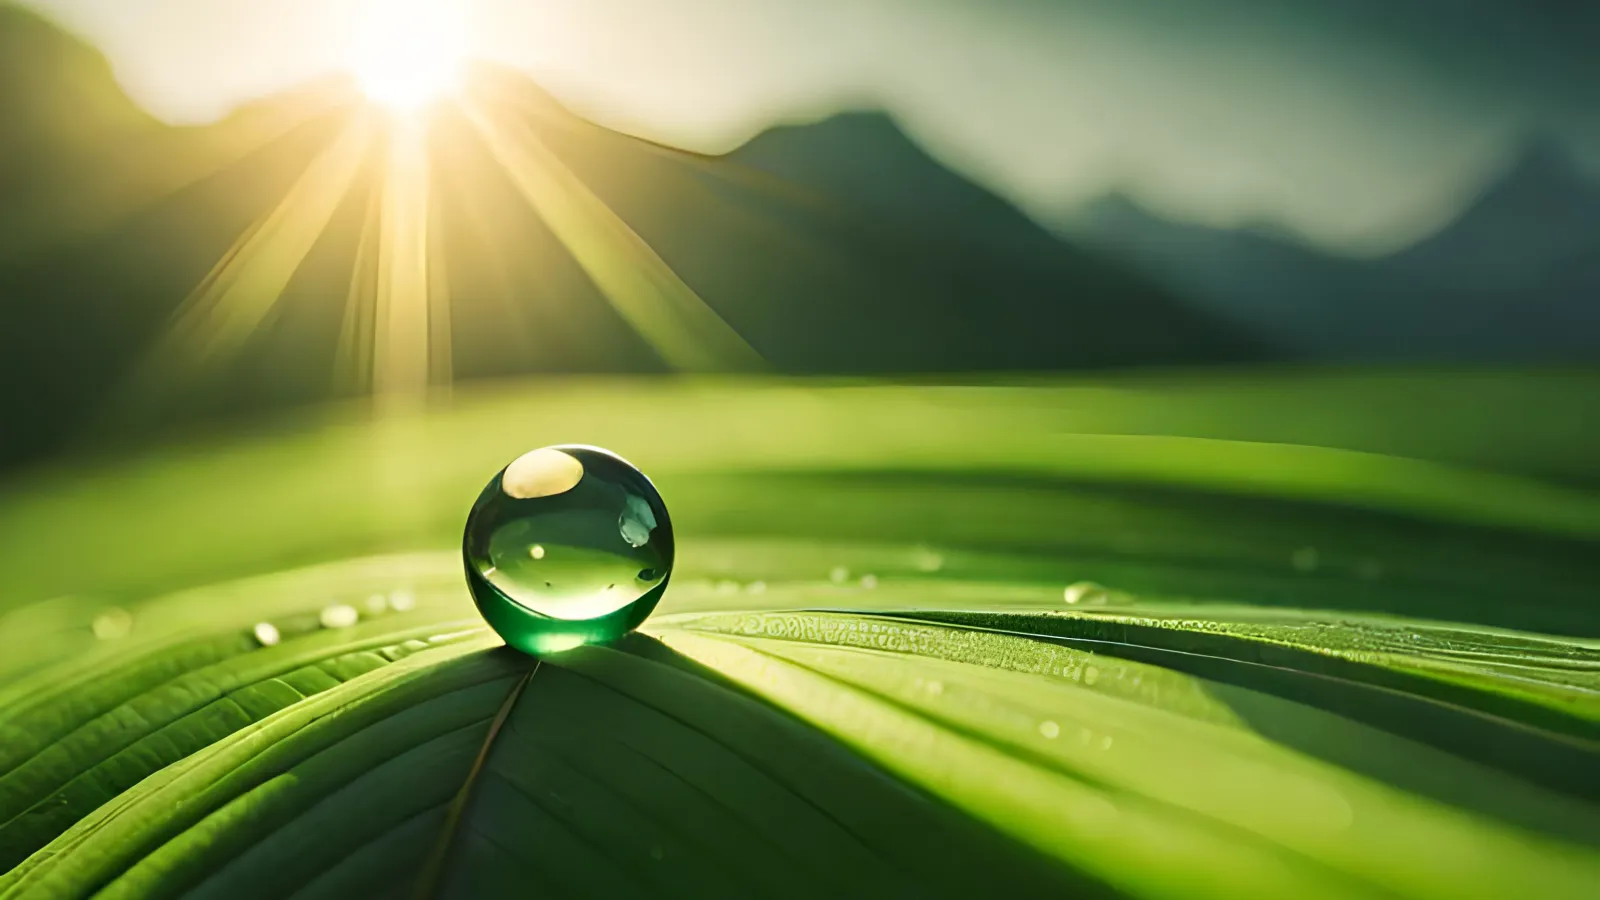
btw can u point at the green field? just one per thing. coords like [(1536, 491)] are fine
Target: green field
[(1329, 634)]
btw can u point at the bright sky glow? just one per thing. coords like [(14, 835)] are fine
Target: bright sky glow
[(409, 53), (1362, 131)]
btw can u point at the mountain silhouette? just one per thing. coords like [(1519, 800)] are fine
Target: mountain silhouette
[(57, 100), (1514, 278), (1539, 218), (839, 247), (842, 247)]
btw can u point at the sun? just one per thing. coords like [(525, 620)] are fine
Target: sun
[(410, 52)]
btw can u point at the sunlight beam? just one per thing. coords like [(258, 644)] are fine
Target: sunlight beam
[(409, 307), (238, 294), (665, 311)]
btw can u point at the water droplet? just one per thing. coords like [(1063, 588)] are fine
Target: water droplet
[(1369, 570), (1304, 559), (340, 615), (400, 601), (1091, 675), (839, 575), (936, 688), (1049, 729), (927, 560), (267, 634), (727, 587), (869, 581), (377, 603), (756, 587), (112, 623), (1086, 593), (567, 544)]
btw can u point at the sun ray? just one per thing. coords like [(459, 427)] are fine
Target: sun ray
[(646, 292), (481, 240), (410, 309), (353, 354), (240, 291)]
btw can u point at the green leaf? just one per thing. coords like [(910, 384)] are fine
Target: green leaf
[(1095, 759), (629, 772), (1345, 648)]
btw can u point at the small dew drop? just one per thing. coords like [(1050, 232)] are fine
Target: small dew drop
[(869, 581), (1085, 593), (927, 560), (1105, 742), (339, 615), (1091, 675), (401, 601), (377, 603), (1304, 560), (1049, 729), (112, 623), (839, 575), (936, 688), (536, 551), (727, 587), (1369, 570), (267, 634), (756, 587), (657, 854)]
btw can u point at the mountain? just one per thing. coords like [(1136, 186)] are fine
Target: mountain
[(838, 247), (1514, 278), (841, 246), (57, 100), (1540, 218)]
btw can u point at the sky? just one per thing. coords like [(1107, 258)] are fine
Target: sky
[(1361, 125)]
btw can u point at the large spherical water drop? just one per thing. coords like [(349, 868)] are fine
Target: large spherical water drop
[(567, 545)]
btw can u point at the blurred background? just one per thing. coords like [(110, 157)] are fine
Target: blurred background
[(210, 209)]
